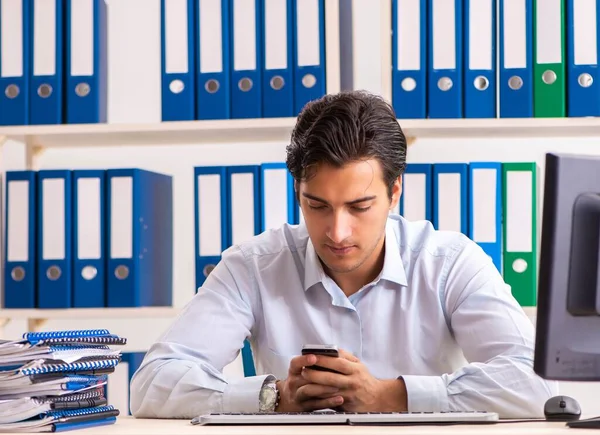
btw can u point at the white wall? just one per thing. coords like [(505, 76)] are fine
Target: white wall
[(134, 96)]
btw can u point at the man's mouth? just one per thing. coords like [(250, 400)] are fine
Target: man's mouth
[(340, 250)]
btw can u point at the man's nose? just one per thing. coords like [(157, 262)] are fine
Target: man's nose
[(339, 229)]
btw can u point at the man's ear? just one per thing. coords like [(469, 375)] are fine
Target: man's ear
[(396, 192)]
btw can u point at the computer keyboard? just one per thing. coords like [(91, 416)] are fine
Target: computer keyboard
[(351, 418)]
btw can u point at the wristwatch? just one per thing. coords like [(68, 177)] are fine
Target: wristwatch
[(268, 398)]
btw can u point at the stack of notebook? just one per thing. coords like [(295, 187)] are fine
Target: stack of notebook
[(55, 381)]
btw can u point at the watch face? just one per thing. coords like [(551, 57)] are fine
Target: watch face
[(268, 397)]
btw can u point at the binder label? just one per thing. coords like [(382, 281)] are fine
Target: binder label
[(88, 218), (409, 25), (121, 217), (484, 200), (414, 192), (480, 35), (244, 35), (209, 215), (275, 197), (519, 186), (242, 207), (82, 37), (449, 202), (585, 42), (53, 218), (176, 40), (515, 34), (11, 38), (211, 36), (44, 37), (18, 221), (276, 34), (548, 32), (307, 32), (444, 34)]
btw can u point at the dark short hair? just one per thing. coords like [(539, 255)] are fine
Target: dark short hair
[(342, 128)]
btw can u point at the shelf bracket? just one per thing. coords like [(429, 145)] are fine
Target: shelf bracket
[(35, 325), (33, 152)]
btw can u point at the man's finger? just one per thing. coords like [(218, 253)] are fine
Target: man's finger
[(347, 355), (315, 391), (336, 380), (299, 362), (316, 404), (341, 365), (296, 382)]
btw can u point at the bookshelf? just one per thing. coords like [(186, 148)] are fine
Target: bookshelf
[(236, 131), (37, 138)]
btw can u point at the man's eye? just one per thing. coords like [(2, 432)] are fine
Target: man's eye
[(316, 207), (361, 209)]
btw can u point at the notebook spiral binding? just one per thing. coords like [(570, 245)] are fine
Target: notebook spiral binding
[(86, 395), (91, 340), (77, 412), (79, 365), (75, 348), (37, 336)]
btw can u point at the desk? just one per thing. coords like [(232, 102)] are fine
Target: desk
[(127, 425)]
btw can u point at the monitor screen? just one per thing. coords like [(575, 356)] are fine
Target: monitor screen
[(567, 345)]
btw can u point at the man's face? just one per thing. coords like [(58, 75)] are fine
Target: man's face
[(345, 210)]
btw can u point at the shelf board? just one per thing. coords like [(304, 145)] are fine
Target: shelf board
[(279, 130), (89, 313), (163, 133), (114, 313), (501, 128)]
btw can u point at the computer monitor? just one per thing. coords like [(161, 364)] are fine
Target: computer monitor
[(567, 345)]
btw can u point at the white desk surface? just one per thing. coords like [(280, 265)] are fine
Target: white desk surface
[(127, 425)]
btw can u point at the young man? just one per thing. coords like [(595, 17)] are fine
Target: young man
[(423, 318)]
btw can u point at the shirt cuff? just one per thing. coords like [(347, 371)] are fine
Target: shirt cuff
[(426, 393), (242, 395)]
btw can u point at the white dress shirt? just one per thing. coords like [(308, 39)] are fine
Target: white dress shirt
[(439, 315)]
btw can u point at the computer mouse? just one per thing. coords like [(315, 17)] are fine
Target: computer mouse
[(562, 408)]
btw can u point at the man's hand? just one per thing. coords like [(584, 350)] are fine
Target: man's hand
[(298, 394), (361, 392)]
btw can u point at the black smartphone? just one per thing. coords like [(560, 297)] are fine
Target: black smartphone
[(321, 349)]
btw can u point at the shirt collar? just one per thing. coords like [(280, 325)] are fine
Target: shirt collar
[(393, 267)]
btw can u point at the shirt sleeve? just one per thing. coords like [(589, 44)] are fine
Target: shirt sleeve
[(497, 340), (181, 375)]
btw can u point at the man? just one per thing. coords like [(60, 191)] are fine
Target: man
[(406, 304)]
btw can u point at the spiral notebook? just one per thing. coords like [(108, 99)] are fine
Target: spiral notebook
[(40, 366), (54, 421), (74, 397), (12, 411), (34, 343), (65, 353), (42, 378), (54, 387)]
